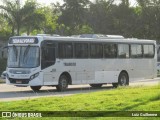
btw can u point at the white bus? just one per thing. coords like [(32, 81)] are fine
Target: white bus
[(61, 61), (158, 59)]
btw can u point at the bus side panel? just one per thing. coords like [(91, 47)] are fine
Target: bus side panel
[(106, 76), (147, 67)]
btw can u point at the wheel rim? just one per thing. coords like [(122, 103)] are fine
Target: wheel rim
[(64, 83), (123, 80)]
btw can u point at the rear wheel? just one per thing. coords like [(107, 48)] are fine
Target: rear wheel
[(63, 83), (123, 79), (35, 88), (96, 85)]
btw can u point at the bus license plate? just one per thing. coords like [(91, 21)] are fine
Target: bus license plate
[(18, 81)]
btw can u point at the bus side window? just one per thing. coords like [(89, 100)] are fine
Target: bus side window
[(81, 50), (148, 51), (123, 51), (96, 50), (136, 51), (65, 50), (110, 50)]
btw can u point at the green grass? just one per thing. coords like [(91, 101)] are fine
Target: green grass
[(138, 98), (123, 99)]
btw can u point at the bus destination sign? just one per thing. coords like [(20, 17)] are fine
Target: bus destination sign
[(23, 40)]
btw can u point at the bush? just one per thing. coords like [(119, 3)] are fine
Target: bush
[(3, 64)]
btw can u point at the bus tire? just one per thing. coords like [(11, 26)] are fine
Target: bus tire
[(96, 85), (123, 79), (63, 83), (35, 88)]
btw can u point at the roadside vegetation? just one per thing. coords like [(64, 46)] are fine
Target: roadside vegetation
[(138, 98), (73, 17), (2, 81), (3, 63), (121, 99)]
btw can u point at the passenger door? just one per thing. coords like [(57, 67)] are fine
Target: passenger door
[(47, 61)]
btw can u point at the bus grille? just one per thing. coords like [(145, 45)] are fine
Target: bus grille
[(19, 81)]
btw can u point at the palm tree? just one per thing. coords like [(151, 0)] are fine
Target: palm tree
[(10, 13), (24, 16)]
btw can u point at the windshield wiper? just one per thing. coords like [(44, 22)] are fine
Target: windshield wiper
[(26, 52), (15, 51)]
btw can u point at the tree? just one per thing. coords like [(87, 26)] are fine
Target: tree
[(22, 17), (149, 19), (50, 23), (10, 13), (99, 16), (5, 30), (32, 17), (73, 13), (124, 19)]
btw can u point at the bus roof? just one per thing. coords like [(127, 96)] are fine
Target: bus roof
[(134, 40), (78, 39)]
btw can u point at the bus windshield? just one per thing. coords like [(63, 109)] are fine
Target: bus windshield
[(23, 57)]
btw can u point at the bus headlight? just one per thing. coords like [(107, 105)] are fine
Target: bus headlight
[(34, 76)]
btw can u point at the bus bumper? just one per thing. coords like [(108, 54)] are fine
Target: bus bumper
[(24, 82)]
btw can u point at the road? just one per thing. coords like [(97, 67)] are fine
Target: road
[(11, 93)]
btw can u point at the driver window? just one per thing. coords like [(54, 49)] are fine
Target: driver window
[(48, 55)]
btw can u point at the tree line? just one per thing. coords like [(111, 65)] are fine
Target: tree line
[(75, 17)]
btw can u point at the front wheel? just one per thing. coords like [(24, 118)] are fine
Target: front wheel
[(63, 83), (35, 88), (96, 85), (123, 79)]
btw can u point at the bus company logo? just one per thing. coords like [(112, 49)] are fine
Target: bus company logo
[(69, 64), (6, 114)]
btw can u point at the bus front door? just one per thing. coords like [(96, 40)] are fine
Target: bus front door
[(47, 62)]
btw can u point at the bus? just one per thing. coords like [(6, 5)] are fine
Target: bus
[(38, 61), (158, 60)]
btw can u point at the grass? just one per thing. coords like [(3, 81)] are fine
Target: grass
[(138, 98), (121, 99)]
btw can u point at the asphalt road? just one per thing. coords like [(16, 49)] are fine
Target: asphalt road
[(11, 93)]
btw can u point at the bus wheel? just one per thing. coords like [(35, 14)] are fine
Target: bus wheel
[(35, 88), (123, 79), (96, 85), (63, 83)]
